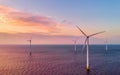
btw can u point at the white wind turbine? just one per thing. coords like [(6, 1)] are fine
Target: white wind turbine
[(106, 42), (87, 45), (75, 48)]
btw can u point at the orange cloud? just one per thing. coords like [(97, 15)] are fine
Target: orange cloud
[(18, 21)]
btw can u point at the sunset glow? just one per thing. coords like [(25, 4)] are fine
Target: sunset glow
[(15, 21)]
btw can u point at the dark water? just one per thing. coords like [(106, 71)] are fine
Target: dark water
[(58, 60)]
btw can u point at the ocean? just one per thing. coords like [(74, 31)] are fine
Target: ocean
[(58, 60)]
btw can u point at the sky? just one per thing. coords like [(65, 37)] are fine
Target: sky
[(55, 21)]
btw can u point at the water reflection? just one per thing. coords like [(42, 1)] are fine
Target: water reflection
[(57, 60)]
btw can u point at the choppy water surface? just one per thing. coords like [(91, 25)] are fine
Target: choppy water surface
[(58, 60)]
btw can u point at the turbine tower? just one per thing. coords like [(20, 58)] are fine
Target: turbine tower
[(106, 45), (87, 46), (30, 46), (75, 48)]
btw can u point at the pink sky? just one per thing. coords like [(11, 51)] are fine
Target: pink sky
[(17, 26)]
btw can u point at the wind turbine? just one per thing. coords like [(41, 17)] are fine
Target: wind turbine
[(87, 45), (75, 48), (30, 46), (106, 42)]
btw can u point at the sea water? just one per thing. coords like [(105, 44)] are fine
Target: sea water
[(59, 60)]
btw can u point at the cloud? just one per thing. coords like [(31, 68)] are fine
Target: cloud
[(30, 18), (66, 22), (27, 22), (15, 21), (5, 9)]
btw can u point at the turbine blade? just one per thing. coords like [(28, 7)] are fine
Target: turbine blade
[(84, 44), (81, 31), (96, 33)]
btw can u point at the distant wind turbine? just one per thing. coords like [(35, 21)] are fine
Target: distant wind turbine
[(106, 42), (30, 46), (75, 48), (87, 45)]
